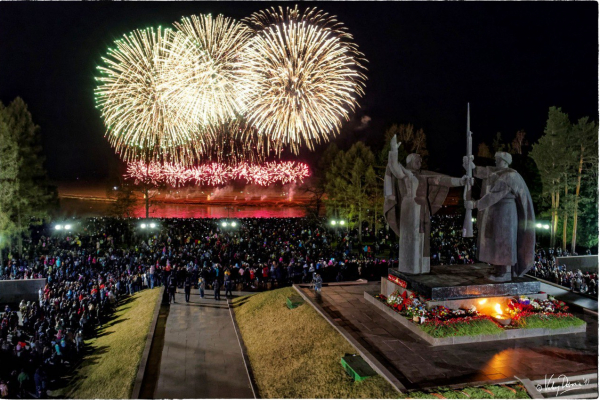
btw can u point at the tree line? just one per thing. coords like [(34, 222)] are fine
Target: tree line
[(567, 158)]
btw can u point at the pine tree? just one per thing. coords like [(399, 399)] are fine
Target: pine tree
[(351, 182), (551, 155), (27, 195), (585, 133)]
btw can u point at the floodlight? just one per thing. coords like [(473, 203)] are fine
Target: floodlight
[(233, 224), (143, 226), (342, 222), (224, 224), (67, 227), (153, 225), (333, 222), (58, 227), (538, 225), (546, 226)]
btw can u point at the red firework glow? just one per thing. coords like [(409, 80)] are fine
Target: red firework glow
[(215, 174)]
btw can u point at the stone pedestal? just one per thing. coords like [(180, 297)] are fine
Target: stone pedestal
[(449, 282), (461, 286)]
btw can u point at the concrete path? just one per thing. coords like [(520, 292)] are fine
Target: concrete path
[(201, 357)]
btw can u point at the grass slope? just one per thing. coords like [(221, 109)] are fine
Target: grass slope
[(110, 368), (296, 353)]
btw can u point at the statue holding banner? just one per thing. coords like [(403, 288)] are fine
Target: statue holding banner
[(505, 219), (412, 195)]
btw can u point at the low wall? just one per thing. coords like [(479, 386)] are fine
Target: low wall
[(584, 263), (13, 291)]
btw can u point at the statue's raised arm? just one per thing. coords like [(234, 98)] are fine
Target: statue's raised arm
[(397, 168)]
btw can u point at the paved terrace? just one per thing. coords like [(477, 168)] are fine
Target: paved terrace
[(418, 365)]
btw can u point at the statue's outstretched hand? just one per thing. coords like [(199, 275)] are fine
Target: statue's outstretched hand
[(465, 180), (467, 164)]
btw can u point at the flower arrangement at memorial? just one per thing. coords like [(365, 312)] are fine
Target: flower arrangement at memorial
[(441, 321), (533, 313)]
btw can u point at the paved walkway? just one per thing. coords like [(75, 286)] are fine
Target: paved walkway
[(418, 365), (201, 357), (569, 297)]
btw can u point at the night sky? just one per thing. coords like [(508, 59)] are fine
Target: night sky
[(510, 60)]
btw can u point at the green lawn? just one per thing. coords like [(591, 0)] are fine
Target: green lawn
[(111, 364), (296, 353)]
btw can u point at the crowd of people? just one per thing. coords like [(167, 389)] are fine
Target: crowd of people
[(100, 260), (447, 246), (547, 268), (97, 262), (48, 338)]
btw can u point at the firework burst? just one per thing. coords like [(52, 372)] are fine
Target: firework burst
[(215, 90), (302, 75), (201, 68), (142, 124)]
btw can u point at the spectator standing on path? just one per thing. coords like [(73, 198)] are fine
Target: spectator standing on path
[(201, 285), (172, 288), (228, 286), (22, 378), (40, 382), (151, 276), (187, 286), (217, 288), (318, 283)]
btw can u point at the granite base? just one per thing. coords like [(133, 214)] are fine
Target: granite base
[(449, 282)]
